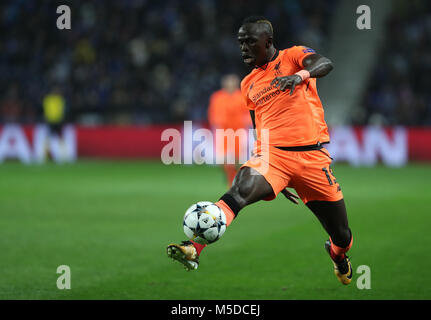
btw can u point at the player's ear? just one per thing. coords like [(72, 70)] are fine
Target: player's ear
[(268, 42)]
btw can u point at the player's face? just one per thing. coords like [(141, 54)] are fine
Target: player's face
[(230, 83), (253, 43)]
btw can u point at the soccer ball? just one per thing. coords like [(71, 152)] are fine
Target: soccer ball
[(204, 222)]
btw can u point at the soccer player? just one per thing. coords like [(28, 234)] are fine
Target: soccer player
[(227, 110), (281, 93)]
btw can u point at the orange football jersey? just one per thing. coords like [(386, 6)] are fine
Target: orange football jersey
[(292, 120), (228, 111)]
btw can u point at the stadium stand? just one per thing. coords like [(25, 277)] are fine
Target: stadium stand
[(135, 61), (398, 91)]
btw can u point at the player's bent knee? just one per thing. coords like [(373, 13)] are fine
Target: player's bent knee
[(242, 187), (249, 187), (342, 237)]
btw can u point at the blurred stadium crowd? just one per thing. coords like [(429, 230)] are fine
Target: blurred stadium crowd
[(143, 61), (134, 61), (399, 89)]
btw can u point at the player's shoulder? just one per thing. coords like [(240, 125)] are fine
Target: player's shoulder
[(216, 97), (217, 93), (297, 49)]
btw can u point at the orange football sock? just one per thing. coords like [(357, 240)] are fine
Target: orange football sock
[(229, 218), (338, 253), (227, 211), (199, 247)]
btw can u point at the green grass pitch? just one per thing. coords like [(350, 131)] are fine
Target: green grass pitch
[(110, 223)]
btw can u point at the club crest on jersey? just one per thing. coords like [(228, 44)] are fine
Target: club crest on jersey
[(277, 71)]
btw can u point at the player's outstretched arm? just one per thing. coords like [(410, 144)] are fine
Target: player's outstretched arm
[(315, 66)]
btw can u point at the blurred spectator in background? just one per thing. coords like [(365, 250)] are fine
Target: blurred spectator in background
[(54, 111), (399, 89), (227, 110), (11, 105)]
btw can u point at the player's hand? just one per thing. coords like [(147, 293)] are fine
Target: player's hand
[(290, 196), (284, 83)]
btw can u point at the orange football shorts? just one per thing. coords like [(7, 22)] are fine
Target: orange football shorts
[(307, 172)]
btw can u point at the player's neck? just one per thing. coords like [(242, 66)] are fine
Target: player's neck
[(271, 56)]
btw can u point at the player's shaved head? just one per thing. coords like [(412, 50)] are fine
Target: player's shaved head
[(264, 24)]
